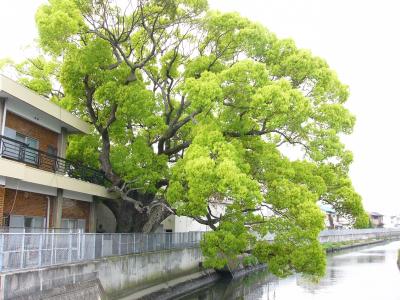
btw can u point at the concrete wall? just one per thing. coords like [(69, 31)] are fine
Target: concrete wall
[(116, 274), (105, 219)]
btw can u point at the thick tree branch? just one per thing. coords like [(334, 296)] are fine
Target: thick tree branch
[(112, 118), (208, 221), (177, 148), (172, 130)]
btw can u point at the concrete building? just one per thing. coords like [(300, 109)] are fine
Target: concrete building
[(39, 188)]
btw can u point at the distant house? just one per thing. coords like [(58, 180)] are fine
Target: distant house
[(332, 219), (391, 221), (376, 219), (330, 214)]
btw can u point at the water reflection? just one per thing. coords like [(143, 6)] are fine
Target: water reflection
[(249, 287), (366, 273)]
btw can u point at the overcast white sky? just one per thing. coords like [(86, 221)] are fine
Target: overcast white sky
[(360, 39)]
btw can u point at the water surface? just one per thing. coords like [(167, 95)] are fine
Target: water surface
[(364, 273)]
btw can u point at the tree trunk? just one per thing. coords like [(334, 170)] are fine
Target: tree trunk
[(129, 219), (331, 224)]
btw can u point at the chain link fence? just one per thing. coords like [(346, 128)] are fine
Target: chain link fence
[(22, 250), (34, 250)]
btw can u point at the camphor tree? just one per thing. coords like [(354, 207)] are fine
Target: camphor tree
[(190, 110)]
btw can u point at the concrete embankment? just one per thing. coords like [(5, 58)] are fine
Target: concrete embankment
[(188, 284), (176, 287), (118, 275), (155, 275)]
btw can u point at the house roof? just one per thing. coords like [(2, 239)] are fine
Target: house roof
[(327, 208), (11, 89), (376, 214)]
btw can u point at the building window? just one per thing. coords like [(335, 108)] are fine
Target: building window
[(17, 151), (73, 224), (30, 155), (27, 223), (34, 222)]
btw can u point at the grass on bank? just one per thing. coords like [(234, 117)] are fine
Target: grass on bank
[(338, 245)]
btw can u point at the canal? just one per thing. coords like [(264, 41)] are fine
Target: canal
[(363, 273)]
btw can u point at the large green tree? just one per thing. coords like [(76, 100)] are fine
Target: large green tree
[(193, 113)]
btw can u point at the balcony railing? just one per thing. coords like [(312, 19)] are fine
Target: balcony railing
[(16, 150)]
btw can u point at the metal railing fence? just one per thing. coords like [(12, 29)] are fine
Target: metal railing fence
[(19, 151), (22, 250), (341, 235), (34, 250)]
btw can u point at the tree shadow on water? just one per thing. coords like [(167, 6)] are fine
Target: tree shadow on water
[(245, 288)]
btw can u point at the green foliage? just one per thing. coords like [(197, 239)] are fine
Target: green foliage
[(284, 257), (56, 22), (199, 108), (223, 246), (362, 221), (84, 149), (250, 261), (4, 62), (38, 74)]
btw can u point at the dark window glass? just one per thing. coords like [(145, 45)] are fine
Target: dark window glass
[(28, 222), (51, 150)]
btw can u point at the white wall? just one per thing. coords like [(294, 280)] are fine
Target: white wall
[(21, 185), (183, 224), (77, 196)]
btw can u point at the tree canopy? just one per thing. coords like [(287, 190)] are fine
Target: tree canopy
[(193, 113)]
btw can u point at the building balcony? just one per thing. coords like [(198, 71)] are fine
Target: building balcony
[(21, 152)]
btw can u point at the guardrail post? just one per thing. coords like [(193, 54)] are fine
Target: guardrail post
[(83, 237), (22, 249), (52, 248), (70, 246), (119, 244), (1, 251), (102, 245), (40, 250), (78, 245)]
